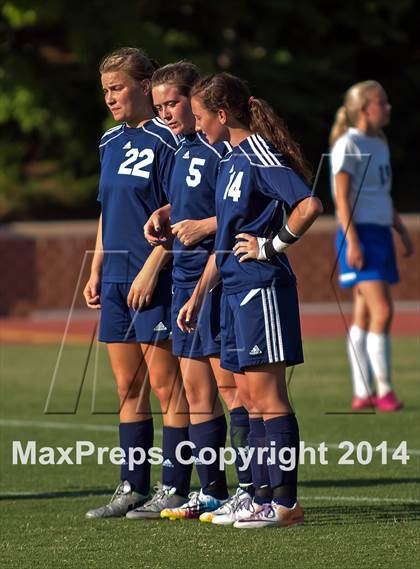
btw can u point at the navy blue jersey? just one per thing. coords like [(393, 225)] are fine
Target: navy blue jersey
[(253, 185), (191, 194), (135, 169)]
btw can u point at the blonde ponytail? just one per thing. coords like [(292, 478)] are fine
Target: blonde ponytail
[(341, 124), (355, 99)]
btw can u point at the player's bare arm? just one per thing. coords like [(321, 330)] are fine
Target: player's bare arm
[(302, 217), (92, 289), (192, 231), (187, 316), (155, 228), (402, 231), (342, 188), (143, 286)]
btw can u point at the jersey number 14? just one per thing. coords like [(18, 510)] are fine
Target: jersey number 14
[(233, 189)]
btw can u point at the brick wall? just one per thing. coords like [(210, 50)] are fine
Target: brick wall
[(41, 265)]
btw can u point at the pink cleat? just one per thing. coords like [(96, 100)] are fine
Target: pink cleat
[(358, 403), (388, 403)]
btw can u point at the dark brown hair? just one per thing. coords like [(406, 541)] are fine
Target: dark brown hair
[(131, 60), (225, 91), (182, 74)]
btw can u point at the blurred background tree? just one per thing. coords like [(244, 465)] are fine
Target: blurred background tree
[(299, 55)]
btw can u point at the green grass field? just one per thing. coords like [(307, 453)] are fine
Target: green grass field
[(356, 515)]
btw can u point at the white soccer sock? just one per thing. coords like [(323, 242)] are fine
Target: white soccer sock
[(379, 353), (359, 363)]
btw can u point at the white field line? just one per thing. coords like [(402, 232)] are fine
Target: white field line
[(373, 499), (361, 499), (62, 426), (111, 428)]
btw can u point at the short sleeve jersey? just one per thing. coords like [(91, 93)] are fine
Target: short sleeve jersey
[(135, 170), (191, 194), (253, 186), (367, 160)]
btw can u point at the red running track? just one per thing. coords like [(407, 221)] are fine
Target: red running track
[(314, 325)]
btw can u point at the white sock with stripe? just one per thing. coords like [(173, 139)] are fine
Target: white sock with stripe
[(359, 362), (378, 347)]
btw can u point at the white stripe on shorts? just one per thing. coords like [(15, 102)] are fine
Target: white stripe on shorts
[(346, 277), (250, 296), (267, 325), (279, 334), (272, 325)]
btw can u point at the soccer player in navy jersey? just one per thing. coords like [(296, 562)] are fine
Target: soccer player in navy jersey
[(262, 174), (131, 283), (193, 224)]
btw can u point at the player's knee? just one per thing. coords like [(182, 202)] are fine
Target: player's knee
[(194, 397), (198, 396), (229, 396), (163, 388), (263, 403), (382, 317), (127, 390), (246, 401), (245, 398)]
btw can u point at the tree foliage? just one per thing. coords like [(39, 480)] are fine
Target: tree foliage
[(299, 55)]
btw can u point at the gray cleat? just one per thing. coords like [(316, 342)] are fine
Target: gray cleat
[(123, 500), (164, 497)]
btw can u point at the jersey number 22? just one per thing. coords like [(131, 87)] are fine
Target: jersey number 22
[(133, 154)]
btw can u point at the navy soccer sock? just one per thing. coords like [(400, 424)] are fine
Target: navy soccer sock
[(239, 431), (259, 469), (210, 434), (138, 434), (174, 473), (283, 432)]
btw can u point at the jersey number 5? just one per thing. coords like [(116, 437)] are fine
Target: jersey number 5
[(133, 154), (194, 174)]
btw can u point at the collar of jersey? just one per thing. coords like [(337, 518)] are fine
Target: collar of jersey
[(354, 130), (190, 138), (134, 130)]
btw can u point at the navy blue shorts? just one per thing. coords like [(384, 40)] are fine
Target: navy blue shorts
[(205, 340), (260, 326), (379, 256), (119, 323)]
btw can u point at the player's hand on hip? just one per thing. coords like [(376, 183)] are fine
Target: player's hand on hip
[(92, 291), (142, 289), (190, 231), (246, 248)]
